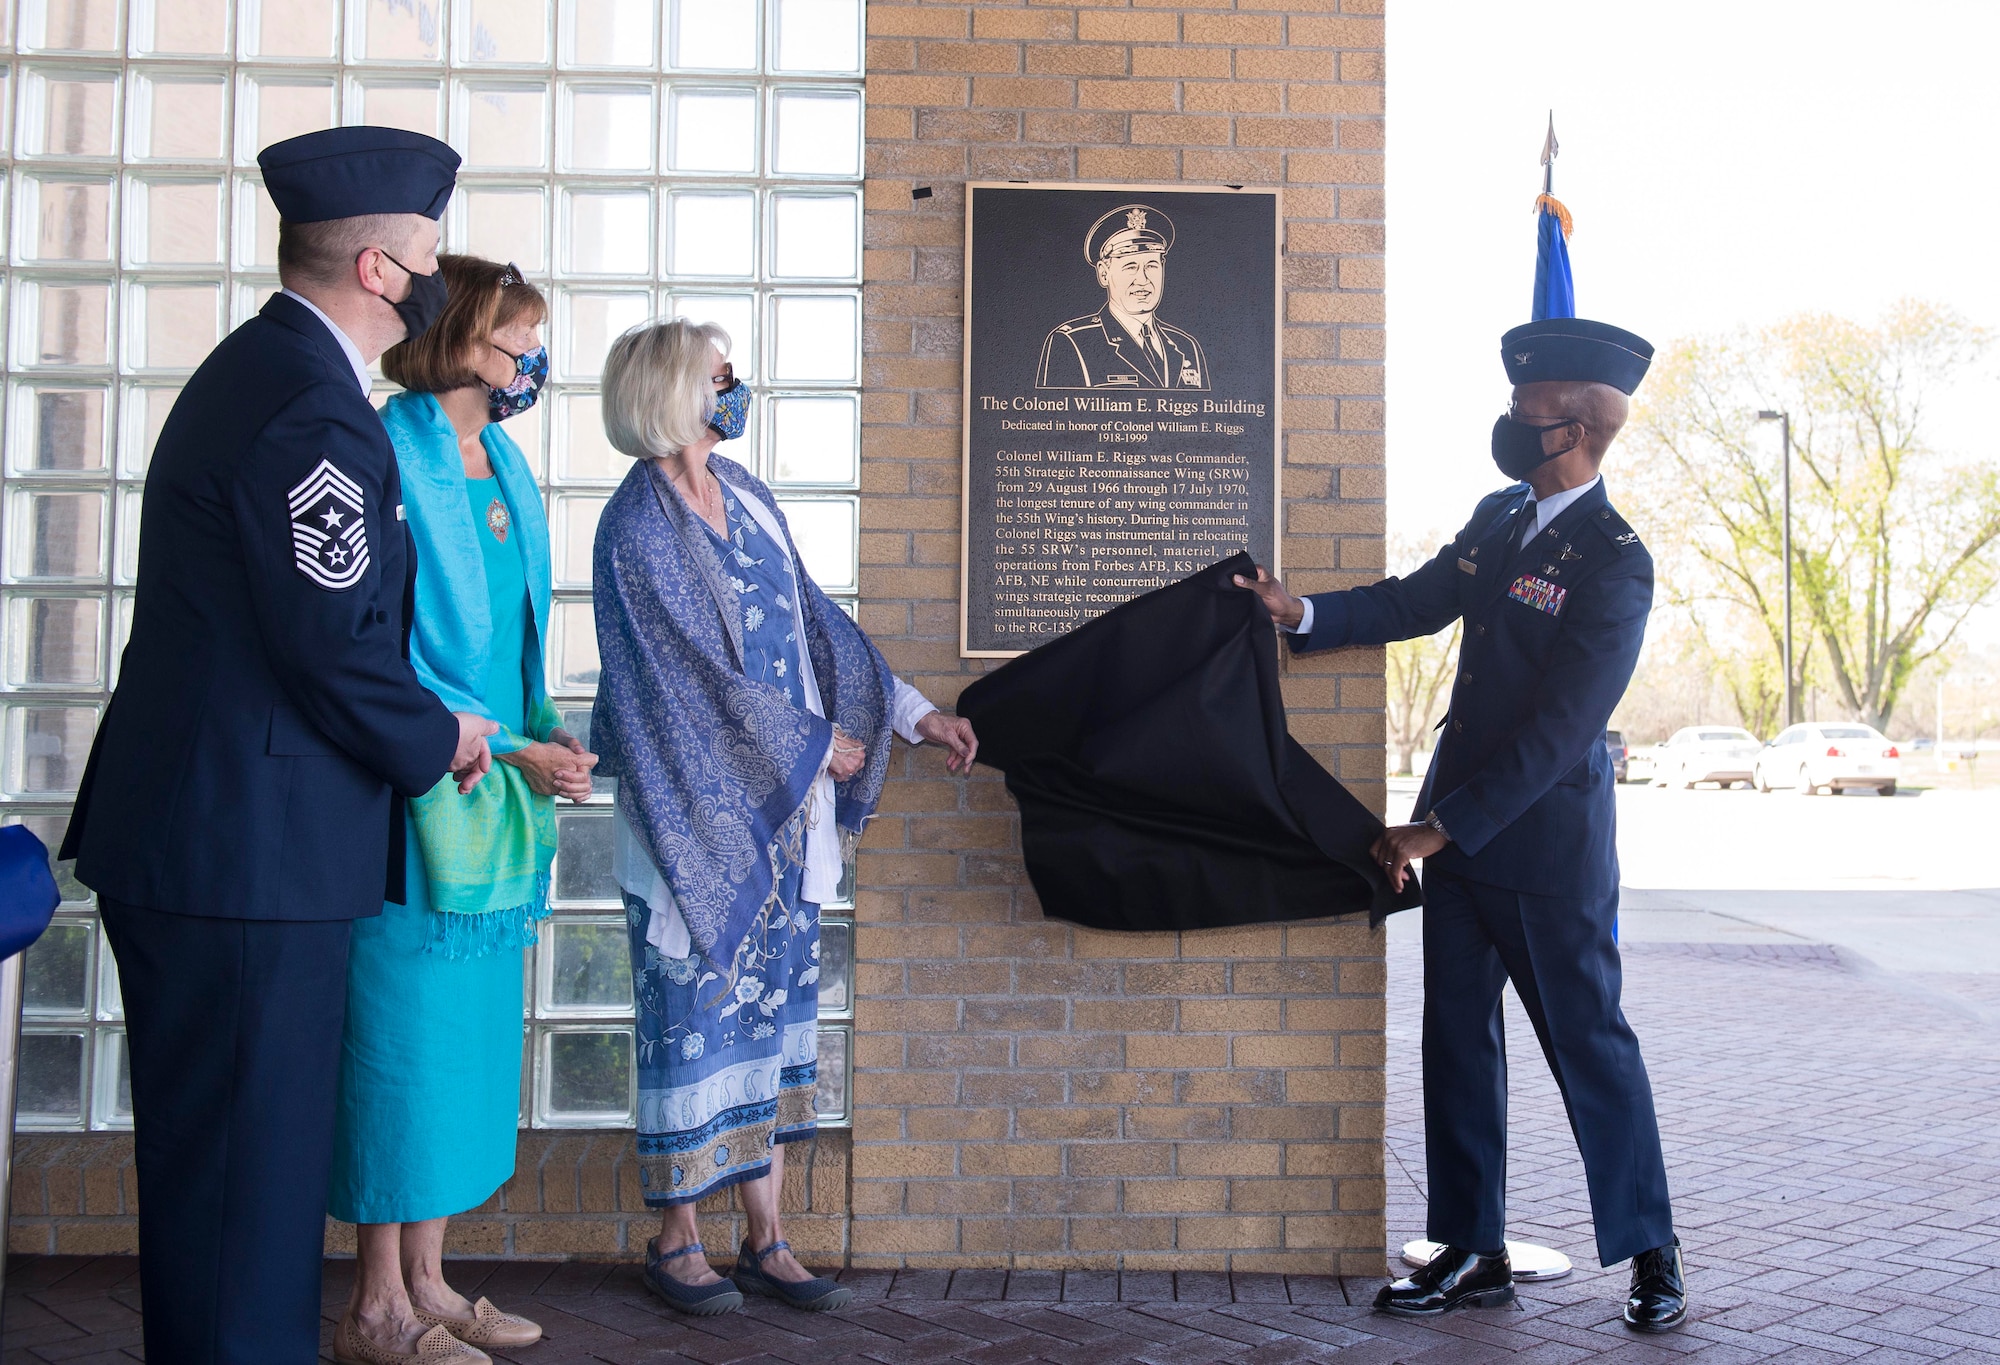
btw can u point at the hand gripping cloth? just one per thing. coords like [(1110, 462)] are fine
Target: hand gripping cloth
[(1158, 786)]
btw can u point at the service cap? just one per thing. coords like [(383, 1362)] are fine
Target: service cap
[(351, 172), (1575, 350), (1128, 229)]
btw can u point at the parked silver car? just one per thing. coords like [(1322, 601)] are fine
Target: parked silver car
[(1706, 753)]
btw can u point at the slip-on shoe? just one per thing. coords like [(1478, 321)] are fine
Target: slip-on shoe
[(435, 1347), (818, 1295), (489, 1326), (697, 1300)]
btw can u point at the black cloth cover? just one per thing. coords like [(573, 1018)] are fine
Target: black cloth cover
[(1157, 784)]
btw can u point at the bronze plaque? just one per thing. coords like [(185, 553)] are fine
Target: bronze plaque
[(1121, 398)]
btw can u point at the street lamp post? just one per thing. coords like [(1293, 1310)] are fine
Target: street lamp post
[(1784, 419)]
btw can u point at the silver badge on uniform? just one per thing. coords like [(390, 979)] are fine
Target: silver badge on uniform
[(329, 532)]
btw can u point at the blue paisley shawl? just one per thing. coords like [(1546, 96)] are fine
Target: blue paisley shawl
[(714, 769)]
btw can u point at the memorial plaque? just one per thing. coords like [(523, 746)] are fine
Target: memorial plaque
[(1121, 398)]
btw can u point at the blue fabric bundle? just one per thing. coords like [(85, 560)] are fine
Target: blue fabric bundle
[(28, 895)]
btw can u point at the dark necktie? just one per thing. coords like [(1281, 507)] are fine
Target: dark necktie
[(1152, 345)]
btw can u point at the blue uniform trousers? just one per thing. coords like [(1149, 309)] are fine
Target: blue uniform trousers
[(1560, 954), (234, 1028)]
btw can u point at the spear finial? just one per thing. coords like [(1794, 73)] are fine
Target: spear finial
[(1549, 149)]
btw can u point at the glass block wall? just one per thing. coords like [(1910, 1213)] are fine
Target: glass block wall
[(699, 158)]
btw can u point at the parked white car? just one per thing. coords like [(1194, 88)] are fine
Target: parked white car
[(1830, 756), (1641, 764), (1706, 753)]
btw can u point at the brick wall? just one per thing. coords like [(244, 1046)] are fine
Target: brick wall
[(573, 1196), (1028, 1093)]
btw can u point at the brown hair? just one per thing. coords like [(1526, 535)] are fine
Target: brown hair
[(484, 296), (324, 253)]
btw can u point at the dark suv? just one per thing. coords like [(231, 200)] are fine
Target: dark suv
[(1614, 746)]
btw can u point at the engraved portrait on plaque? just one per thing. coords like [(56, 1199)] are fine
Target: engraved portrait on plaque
[(1120, 418)]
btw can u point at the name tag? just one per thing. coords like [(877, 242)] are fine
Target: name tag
[(1467, 566), (1538, 593)]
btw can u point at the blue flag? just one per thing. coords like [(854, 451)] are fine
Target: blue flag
[(1555, 294)]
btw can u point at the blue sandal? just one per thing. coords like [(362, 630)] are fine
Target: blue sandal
[(819, 1295), (698, 1300)]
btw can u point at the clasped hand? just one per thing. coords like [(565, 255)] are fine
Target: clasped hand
[(558, 767), (953, 732)]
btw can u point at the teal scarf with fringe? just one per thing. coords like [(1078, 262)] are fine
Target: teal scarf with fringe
[(487, 854)]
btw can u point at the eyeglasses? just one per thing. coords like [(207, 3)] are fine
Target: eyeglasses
[(512, 275), (726, 381)]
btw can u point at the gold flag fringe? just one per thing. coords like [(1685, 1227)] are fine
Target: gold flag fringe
[(1548, 203)]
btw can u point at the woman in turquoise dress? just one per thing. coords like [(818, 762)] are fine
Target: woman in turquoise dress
[(431, 1058)]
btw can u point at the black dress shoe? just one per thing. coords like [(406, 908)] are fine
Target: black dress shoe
[(1659, 1299), (1455, 1278)]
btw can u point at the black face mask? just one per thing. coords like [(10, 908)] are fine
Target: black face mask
[(425, 301), (1517, 446)]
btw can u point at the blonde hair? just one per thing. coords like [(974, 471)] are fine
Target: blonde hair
[(658, 398)]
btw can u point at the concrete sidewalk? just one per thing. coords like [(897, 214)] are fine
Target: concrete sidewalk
[(1833, 1134)]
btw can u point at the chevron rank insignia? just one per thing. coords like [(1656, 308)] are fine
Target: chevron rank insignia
[(329, 531), (1538, 593)]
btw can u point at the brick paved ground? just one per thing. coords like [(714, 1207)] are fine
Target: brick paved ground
[(1834, 1140)]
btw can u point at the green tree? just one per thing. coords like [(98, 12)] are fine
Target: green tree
[(1893, 540)]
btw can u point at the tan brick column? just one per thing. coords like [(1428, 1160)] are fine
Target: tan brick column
[(1028, 1093)]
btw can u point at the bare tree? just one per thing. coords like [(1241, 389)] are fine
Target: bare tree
[(1893, 541), (1419, 669)]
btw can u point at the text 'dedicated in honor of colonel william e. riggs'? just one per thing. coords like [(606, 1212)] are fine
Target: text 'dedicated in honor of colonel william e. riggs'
[(1121, 398)]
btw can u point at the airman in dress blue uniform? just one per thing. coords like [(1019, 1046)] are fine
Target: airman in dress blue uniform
[(241, 806), (1517, 828), (1124, 345)]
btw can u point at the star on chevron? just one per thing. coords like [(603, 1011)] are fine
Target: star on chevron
[(331, 518)]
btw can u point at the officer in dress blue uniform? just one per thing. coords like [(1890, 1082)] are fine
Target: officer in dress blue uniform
[(1124, 345), (242, 800), (1517, 821)]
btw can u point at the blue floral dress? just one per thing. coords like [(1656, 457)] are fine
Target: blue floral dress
[(727, 1074)]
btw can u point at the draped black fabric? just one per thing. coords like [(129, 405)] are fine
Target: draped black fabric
[(1157, 784)]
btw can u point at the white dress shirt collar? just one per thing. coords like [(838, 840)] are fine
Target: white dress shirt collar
[(1135, 326), (347, 345), (1549, 508)]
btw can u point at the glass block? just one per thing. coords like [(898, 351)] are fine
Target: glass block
[(589, 323), (55, 533), (70, 25), (816, 236), (111, 1082), (59, 428), (69, 113), (131, 503), (836, 967), (608, 128), (575, 520), (819, 133), (713, 234), (586, 966), (46, 748), (813, 438), (256, 227), (174, 222), (510, 31), (398, 30), (172, 326), (143, 414), (529, 432), (712, 130), (714, 35), (177, 117), (6, 99), (818, 35), (573, 662), (815, 339), (180, 27), (608, 232), (110, 996), (504, 127), (826, 532), (830, 1096), (586, 1078), (272, 108), (290, 28), (415, 105), (121, 629), (56, 969), (55, 642), (583, 857), (733, 313), (50, 1077), (608, 33), (63, 324), (64, 218), (506, 223), (49, 827), (587, 454)]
